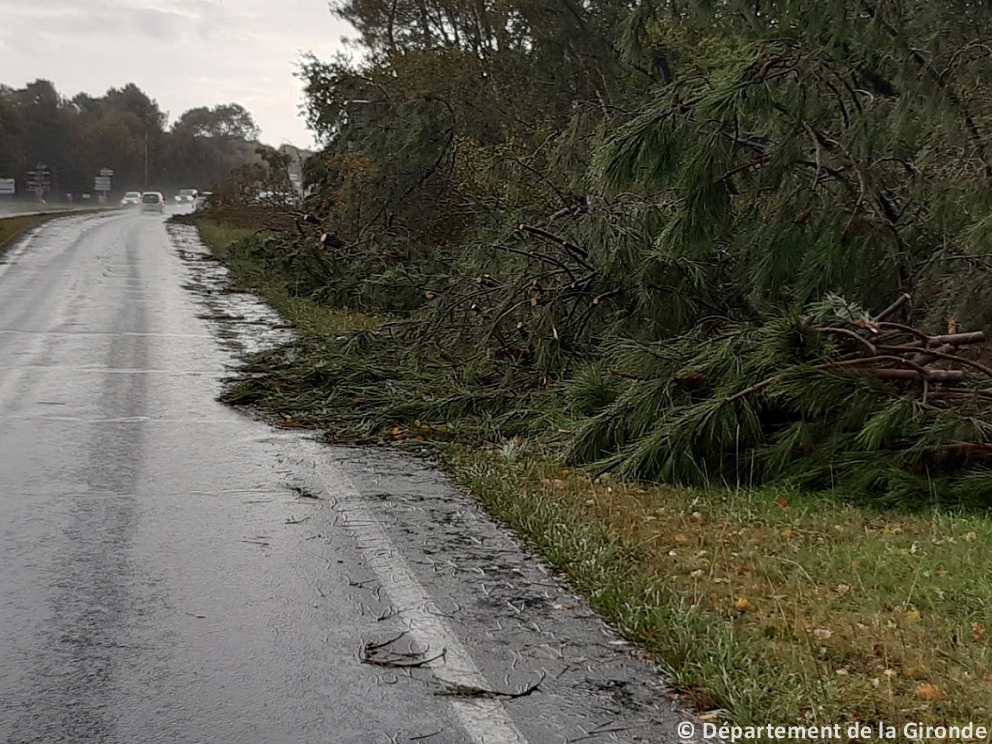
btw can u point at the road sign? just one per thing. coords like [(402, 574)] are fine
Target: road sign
[(102, 182), (8, 186), (40, 179)]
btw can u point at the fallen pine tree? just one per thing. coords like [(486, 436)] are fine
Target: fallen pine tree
[(827, 398), (739, 265)]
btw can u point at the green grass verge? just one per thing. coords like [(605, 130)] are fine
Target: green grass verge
[(763, 606), (309, 318), (768, 607), (11, 228)]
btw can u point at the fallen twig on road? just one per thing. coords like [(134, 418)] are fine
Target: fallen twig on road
[(396, 660), (458, 690)]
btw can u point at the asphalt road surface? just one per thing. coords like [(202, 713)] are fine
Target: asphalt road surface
[(172, 570)]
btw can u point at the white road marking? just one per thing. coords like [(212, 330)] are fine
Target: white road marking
[(485, 720)]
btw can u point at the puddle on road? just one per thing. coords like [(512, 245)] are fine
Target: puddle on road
[(243, 324)]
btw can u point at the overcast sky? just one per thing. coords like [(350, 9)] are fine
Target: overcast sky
[(183, 53)]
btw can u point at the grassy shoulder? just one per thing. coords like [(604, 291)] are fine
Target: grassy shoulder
[(307, 317), (767, 607), (763, 606), (11, 228)]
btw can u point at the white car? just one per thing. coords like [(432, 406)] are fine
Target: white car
[(282, 198), (186, 196), (131, 199), (153, 201)]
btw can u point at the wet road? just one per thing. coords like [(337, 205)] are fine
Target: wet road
[(174, 571)]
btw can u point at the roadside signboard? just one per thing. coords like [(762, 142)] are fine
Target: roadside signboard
[(40, 179), (102, 183), (8, 186)]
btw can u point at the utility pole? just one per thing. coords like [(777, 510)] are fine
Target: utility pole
[(146, 160)]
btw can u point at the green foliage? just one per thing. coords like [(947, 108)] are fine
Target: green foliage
[(649, 208), (369, 385), (749, 403)]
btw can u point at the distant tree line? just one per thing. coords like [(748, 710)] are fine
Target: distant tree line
[(124, 130)]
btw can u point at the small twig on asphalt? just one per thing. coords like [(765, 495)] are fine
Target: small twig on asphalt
[(398, 660), (395, 664), (372, 646), (360, 584), (426, 736), (302, 493), (455, 690)]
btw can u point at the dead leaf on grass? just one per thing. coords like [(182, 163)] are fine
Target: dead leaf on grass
[(744, 605), (929, 692)]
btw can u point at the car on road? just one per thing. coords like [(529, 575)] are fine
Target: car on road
[(131, 199), (276, 198), (153, 201), (200, 202), (186, 196)]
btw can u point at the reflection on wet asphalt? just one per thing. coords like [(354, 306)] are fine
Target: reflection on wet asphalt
[(174, 571)]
